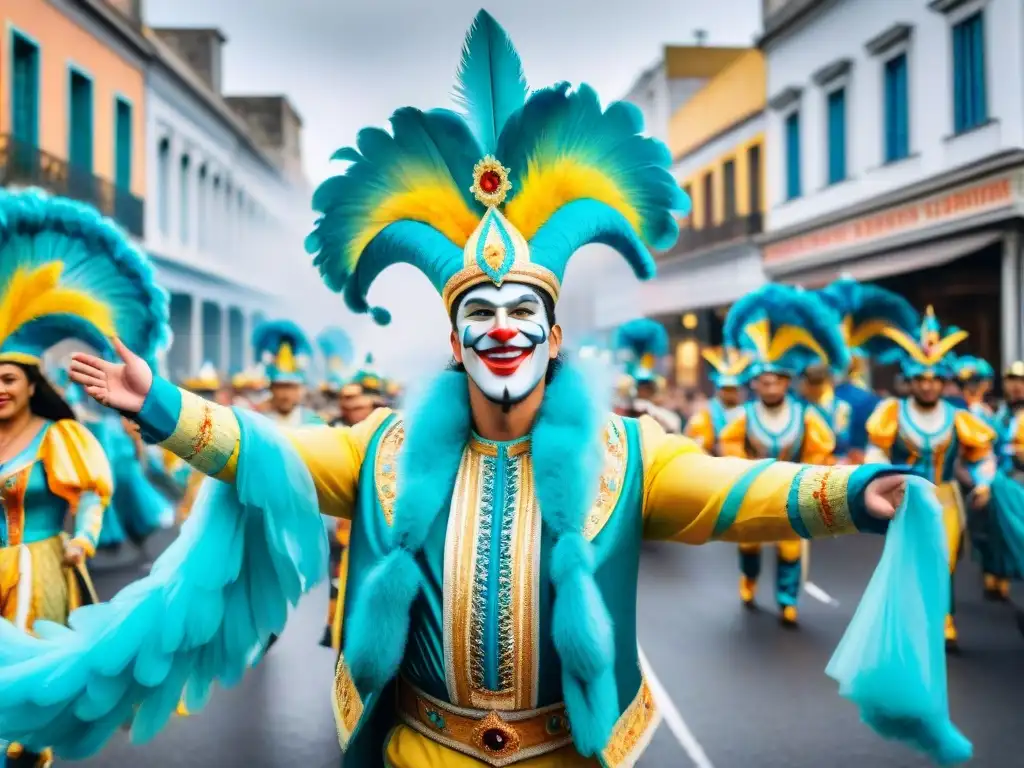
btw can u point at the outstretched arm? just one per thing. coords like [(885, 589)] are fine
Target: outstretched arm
[(695, 498)]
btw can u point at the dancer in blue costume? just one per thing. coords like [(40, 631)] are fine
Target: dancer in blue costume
[(727, 369), (866, 311), (490, 617), (286, 354), (779, 328), (949, 446), (68, 274), (641, 344)]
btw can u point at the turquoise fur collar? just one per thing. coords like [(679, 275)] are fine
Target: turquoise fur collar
[(567, 451)]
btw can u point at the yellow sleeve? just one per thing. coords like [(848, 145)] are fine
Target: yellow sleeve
[(819, 439), (975, 436), (733, 439), (701, 430), (883, 423), (693, 498)]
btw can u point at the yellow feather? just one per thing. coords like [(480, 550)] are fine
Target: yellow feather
[(866, 331), (943, 347), (432, 202), (33, 294), (547, 186), (714, 359), (285, 359), (910, 346), (759, 333), (789, 336)]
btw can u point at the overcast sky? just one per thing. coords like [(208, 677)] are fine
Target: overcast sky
[(346, 64)]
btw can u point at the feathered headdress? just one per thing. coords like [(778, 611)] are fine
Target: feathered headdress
[(336, 347), (866, 310), (284, 351), (727, 366), (639, 344), (973, 369), (931, 352), (366, 381), (206, 379), (784, 329), (69, 273), (505, 192)]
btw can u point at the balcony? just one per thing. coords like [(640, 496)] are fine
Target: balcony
[(24, 165), (738, 229)]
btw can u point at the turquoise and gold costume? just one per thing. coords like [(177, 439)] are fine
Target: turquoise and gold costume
[(285, 353), (780, 328), (727, 369), (935, 443), (67, 273), (490, 611)]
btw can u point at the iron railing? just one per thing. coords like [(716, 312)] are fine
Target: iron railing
[(693, 239), (24, 165)]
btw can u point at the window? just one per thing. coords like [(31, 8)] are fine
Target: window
[(25, 90), (185, 193), (202, 201), (123, 144), (836, 135), (214, 217), (897, 109), (754, 178), (163, 184), (793, 156), (80, 122), (729, 189), (709, 199), (970, 108)]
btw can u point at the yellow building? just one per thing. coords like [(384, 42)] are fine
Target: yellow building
[(72, 89), (717, 142)]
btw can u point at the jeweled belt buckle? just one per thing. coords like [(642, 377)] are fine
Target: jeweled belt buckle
[(496, 737)]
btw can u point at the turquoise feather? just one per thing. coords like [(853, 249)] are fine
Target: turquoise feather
[(201, 616), (268, 336), (334, 342), (491, 84), (98, 260), (865, 302), (642, 336)]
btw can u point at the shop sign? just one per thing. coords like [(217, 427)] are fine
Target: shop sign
[(945, 207)]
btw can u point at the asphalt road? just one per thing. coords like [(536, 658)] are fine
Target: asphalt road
[(751, 694)]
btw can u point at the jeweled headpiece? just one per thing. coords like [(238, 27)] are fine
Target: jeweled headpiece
[(727, 366), (505, 192), (284, 351), (866, 311), (931, 352), (640, 343)]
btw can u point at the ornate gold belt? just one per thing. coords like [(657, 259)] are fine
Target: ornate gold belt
[(494, 738)]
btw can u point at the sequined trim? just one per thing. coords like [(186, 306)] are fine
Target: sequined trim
[(528, 274), (823, 503), (348, 705), (633, 730), (12, 499), (612, 478), (206, 434), (386, 468)]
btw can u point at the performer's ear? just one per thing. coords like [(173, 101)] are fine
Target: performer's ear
[(456, 346), (554, 341)]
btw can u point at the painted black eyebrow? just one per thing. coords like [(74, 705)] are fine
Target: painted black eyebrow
[(526, 298)]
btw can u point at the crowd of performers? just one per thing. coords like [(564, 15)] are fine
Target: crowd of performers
[(486, 567), (792, 382)]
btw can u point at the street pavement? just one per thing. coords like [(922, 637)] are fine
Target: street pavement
[(743, 692)]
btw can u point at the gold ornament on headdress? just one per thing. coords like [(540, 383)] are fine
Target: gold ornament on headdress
[(490, 182)]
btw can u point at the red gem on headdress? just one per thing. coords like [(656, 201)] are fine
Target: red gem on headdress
[(490, 181)]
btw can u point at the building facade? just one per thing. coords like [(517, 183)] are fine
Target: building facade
[(73, 116), (895, 153), (226, 189)]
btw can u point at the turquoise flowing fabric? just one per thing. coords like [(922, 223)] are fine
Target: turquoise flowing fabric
[(1007, 507), (891, 662), (202, 615)]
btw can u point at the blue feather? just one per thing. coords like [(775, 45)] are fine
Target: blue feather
[(864, 303), (491, 83), (268, 336), (642, 336)]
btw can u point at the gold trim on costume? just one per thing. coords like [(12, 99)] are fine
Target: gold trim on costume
[(527, 274), (633, 730), (612, 478), (205, 436), (823, 503), (347, 703), (386, 468)]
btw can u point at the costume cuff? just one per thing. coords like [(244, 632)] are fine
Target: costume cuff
[(159, 415)]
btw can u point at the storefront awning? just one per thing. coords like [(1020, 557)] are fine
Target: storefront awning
[(896, 262)]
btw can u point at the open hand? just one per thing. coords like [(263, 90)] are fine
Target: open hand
[(884, 495), (122, 386)]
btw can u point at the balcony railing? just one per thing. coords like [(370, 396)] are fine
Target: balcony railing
[(25, 165), (693, 239)]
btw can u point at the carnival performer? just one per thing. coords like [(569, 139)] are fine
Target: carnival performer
[(975, 377), (285, 353), (727, 368), (640, 345), (942, 443), (816, 388), (780, 327), (865, 312), (67, 274), (490, 616), (336, 348)]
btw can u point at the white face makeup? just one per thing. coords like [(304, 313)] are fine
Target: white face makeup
[(505, 337)]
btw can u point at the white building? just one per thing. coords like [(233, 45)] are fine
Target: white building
[(227, 206), (895, 144)]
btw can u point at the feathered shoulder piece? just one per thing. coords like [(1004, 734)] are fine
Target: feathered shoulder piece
[(785, 328), (866, 311), (284, 350), (929, 352), (506, 190), (66, 272)]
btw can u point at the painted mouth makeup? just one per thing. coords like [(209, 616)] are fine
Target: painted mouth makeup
[(504, 361)]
